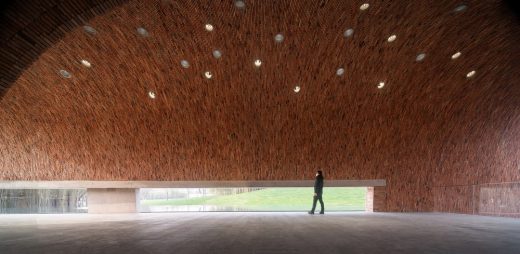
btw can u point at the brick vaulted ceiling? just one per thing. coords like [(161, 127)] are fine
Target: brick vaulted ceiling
[(429, 125)]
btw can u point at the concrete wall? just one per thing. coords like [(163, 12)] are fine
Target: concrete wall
[(112, 200)]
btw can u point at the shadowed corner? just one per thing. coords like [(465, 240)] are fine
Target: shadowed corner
[(4, 6), (514, 7), (21, 46)]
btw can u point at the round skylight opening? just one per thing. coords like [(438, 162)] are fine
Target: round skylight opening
[(364, 6), (420, 57), (296, 89), (349, 32), (209, 27), (240, 4), (141, 31), (258, 62), (340, 72), (85, 63), (279, 38), (185, 64), (65, 74), (471, 74), (217, 54), (208, 74), (460, 8), (89, 30), (381, 85), (456, 55), (392, 38), (151, 94)]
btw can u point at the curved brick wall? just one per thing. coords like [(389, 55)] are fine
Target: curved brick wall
[(427, 129)]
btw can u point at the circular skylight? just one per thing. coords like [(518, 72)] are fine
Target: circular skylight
[(65, 74), (209, 27), (85, 63), (89, 30), (151, 94), (349, 32), (217, 54), (381, 85), (208, 74), (296, 89), (340, 71), (471, 74), (460, 8), (240, 4), (364, 6), (185, 64), (258, 62), (456, 55), (142, 31), (420, 57), (278, 38), (392, 38)]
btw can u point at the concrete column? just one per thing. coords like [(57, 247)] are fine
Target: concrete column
[(369, 200), (112, 200)]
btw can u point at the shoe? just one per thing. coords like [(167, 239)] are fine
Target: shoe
[(322, 212), (310, 212)]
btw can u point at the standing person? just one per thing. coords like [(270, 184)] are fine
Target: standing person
[(318, 191)]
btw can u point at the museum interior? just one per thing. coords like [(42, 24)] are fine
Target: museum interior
[(199, 126)]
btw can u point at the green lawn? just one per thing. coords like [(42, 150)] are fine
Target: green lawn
[(276, 199)]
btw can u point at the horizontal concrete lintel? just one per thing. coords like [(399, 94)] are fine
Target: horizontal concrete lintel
[(181, 184)]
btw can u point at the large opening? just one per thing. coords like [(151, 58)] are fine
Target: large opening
[(19, 201), (249, 199), (34, 197)]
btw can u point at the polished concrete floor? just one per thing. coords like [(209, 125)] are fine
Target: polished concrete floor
[(258, 233)]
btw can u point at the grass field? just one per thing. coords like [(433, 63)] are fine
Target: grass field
[(275, 199)]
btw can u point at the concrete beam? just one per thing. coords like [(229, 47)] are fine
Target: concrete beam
[(181, 184)]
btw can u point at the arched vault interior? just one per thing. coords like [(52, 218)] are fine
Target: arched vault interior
[(424, 94)]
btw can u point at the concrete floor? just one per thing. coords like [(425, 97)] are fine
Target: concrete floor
[(258, 233)]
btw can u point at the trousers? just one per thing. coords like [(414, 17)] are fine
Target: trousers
[(315, 200)]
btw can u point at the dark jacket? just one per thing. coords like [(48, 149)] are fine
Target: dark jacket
[(318, 185)]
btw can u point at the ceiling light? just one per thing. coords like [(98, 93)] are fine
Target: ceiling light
[(65, 74), (296, 89), (142, 31), (278, 38), (456, 55), (209, 27), (258, 62), (364, 6), (349, 32), (381, 85), (85, 63), (460, 8), (185, 64), (240, 4), (208, 74), (392, 38), (151, 94), (340, 71), (89, 30), (470, 74), (420, 57), (217, 54)]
